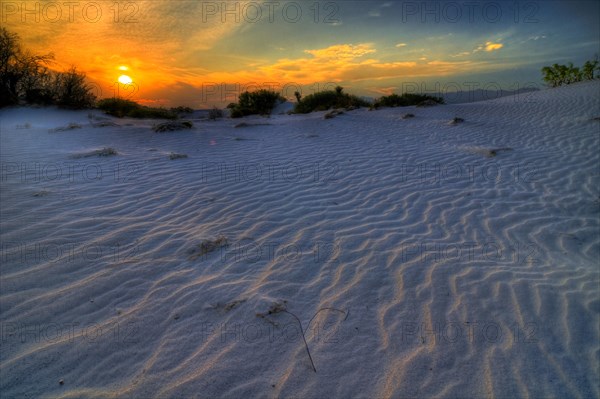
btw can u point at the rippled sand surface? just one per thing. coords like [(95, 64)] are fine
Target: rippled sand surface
[(448, 260)]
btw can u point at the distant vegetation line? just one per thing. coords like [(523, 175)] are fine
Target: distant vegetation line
[(27, 79)]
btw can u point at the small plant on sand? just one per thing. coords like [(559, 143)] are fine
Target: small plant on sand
[(324, 100), (215, 113), (105, 152), (245, 124), (181, 110), (332, 114), (427, 103), (260, 102), (42, 193), (494, 151), (405, 100), (70, 126), (208, 246), (226, 307), (173, 156), (172, 126)]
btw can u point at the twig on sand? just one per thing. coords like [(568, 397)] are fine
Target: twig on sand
[(304, 338), (281, 307)]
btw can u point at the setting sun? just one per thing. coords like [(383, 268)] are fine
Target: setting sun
[(125, 79)]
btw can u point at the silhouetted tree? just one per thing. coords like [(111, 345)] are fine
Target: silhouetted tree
[(20, 71), (72, 91), (26, 77)]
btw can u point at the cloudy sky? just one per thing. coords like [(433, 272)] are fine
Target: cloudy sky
[(200, 53)]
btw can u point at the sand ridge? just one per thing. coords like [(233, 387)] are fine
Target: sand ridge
[(463, 274)]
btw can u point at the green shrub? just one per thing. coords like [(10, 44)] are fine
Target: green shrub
[(236, 113), (152, 113), (172, 126), (558, 75), (405, 100), (215, 113), (324, 100), (120, 108), (259, 102), (588, 69), (181, 110)]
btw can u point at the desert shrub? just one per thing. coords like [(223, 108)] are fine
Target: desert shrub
[(120, 108), (173, 156), (558, 75), (324, 100), (405, 100), (588, 69), (332, 114), (152, 113), (260, 102), (181, 110), (215, 113), (172, 126)]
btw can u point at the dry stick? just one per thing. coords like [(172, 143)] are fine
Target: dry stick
[(318, 311), (305, 344), (308, 325)]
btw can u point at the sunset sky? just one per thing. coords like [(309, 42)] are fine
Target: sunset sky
[(195, 53)]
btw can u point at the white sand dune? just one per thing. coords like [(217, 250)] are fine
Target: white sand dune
[(458, 273)]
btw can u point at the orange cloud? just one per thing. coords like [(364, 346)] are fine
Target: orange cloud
[(347, 51), (346, 63), (489, 46)]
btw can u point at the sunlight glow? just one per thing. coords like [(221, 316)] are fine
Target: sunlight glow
[(124, 79)]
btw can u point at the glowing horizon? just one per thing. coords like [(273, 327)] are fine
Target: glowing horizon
[(197, 54)]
